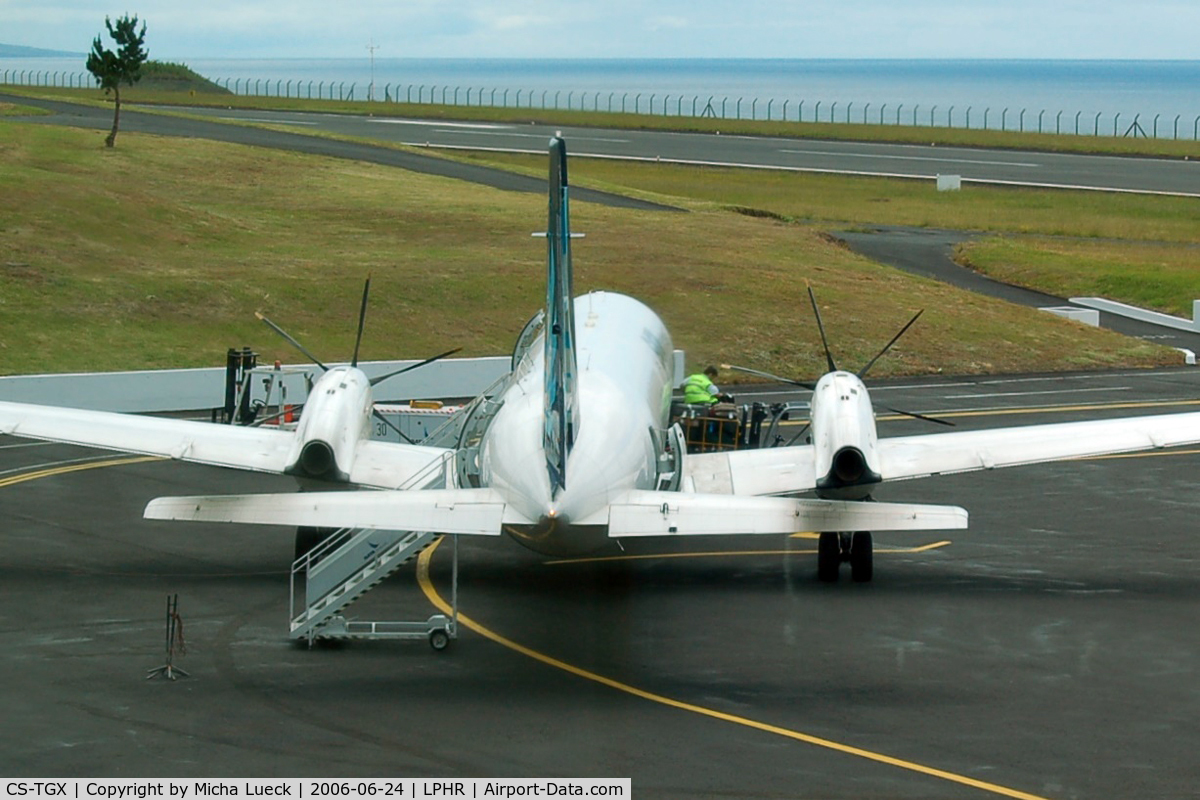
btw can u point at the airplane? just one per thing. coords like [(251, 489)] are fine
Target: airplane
[(580, 451)]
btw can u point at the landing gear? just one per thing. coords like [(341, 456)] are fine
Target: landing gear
[(862, 557), (833, 548), (829, 556)]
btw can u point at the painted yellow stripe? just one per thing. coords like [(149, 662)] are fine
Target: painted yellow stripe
[(46, 473), (727, 553), (430, 592), (1008, 412), (1147, 454)]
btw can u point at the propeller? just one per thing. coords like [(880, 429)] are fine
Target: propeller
[(915, 415), (802, 384), (863, 372), (430, 360), (292, 341), (821, 327), (362, 319), (833, 366)]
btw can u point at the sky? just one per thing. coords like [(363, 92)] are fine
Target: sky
[(182, 29)]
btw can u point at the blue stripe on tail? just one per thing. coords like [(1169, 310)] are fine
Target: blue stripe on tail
[(561, 404)]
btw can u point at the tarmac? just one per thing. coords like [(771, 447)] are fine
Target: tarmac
[(1048, 651)]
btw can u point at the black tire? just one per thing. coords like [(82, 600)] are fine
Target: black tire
[(439, 639), (862, 557), (829, 557)]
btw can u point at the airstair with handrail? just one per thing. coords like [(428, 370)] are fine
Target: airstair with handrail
[(352, 561)]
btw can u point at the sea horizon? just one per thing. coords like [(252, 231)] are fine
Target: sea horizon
[(1099, 95)]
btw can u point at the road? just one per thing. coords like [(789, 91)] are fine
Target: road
[(996, 167)]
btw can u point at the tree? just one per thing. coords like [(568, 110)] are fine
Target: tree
[(124, 66)]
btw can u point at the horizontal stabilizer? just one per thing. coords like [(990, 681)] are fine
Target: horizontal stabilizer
[(465, 511), (680, 514)]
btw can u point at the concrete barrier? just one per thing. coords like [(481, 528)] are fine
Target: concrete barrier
[(1153, 317)]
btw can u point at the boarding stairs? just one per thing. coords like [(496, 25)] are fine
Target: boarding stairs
[(348, 564), (342, 569)]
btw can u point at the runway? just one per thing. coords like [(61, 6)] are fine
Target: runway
[(302, 133), (1048, 651)]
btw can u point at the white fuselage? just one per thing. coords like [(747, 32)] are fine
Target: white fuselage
[(624, 394)]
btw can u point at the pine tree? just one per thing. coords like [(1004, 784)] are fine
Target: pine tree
[(111, 69)]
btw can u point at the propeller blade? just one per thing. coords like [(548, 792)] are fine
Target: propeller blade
[(915, 415), (761, 374), (362, 318), (382, 378), (803, 431), (379, 415), (821, 327), (863, 372), (292, 341)]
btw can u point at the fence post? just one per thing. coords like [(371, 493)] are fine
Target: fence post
[(1194, 124), (849, 107), (1004, 120), (1096, 124), (950, 117), (898, 110), (968, 117), (754, 108), (932, 111), (738, 108), (770, 101), (1155, 131), (915, 109), (882, 109), (1077, 114), (866, 108), (800, 112), (1040, 113), (1116, 122), (1175, 134), (832, 110), (1021, 119)]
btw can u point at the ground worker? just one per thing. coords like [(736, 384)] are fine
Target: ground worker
[(699, 389)]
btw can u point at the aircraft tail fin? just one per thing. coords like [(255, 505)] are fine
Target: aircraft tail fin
[(562, 408)]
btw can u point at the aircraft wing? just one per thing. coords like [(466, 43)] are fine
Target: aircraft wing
[(906, 457), (789, 470), (643, 513), (465, 511), (770, 471), (377, 464)]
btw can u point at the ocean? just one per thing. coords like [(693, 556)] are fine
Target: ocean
[(1098, 96)]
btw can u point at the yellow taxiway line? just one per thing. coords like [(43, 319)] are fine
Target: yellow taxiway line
[(436, 599), (62, 470)]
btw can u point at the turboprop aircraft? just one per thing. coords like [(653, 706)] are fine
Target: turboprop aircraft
[(579, 451)]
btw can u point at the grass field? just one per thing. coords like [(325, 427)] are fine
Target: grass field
[(158, 252)]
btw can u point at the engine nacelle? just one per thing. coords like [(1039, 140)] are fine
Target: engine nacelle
[(335, 419), (843, 425)]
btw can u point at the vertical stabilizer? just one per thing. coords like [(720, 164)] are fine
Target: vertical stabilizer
[(562, 408)]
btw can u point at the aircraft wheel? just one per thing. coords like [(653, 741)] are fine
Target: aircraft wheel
[(861, 557), (829, 556)]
